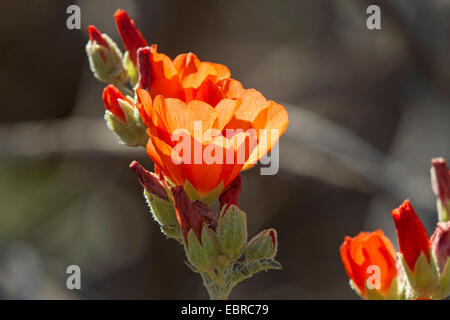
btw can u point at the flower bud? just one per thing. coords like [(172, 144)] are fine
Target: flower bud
[(111, 96), (123, 119), (412, 236), (414, 245), (262, 246), (160, 204), (440, 183), (144, 68), (232, 232), (149, 181), (105, 58), (131, 36)]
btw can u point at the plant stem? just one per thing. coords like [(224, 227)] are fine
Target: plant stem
[(216, 284), (219, 284)]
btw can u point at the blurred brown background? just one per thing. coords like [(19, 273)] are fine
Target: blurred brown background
[(368, 110)]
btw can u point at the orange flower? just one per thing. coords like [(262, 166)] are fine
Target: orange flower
[(174, 95), (244, 109), (365, 250), (412, 236), (187, 91)]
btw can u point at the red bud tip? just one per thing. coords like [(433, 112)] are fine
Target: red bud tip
[(95, 35), (188, 217), (149, 181), (131, 36), (110, 96), (272, 236), (144, 68), (412, 236)]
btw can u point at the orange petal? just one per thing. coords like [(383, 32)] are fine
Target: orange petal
[(153, 154), (180, 115), (162, 66), (232, 88), (175, 171), (222, 71), (169, 88), (225, 111), (208, 92), (277, 121), (252, 112)]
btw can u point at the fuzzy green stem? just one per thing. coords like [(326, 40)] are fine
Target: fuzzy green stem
[(219, 284)]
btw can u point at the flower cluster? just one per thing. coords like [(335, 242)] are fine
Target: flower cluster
[(170, 105), (422, 270)]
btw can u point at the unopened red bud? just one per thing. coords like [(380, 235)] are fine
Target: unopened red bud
[(110, 96), (149, 181), (412, 236), (105, 58), (144, 68), (131, 36)]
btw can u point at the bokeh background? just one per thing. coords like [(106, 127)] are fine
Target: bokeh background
[(368, 110)]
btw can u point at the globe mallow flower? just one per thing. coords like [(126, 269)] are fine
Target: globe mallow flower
[(370, 262), (219, 107), (176, 95), (414, 246)]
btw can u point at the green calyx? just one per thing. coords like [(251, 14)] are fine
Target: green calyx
[(163, 212), (106, 63), (444, 283), (262, 246), (203, 256), (443, 211), (396, 291), (209, 198), (131, 69), (424, 280), (232, 232), (131, 133)]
